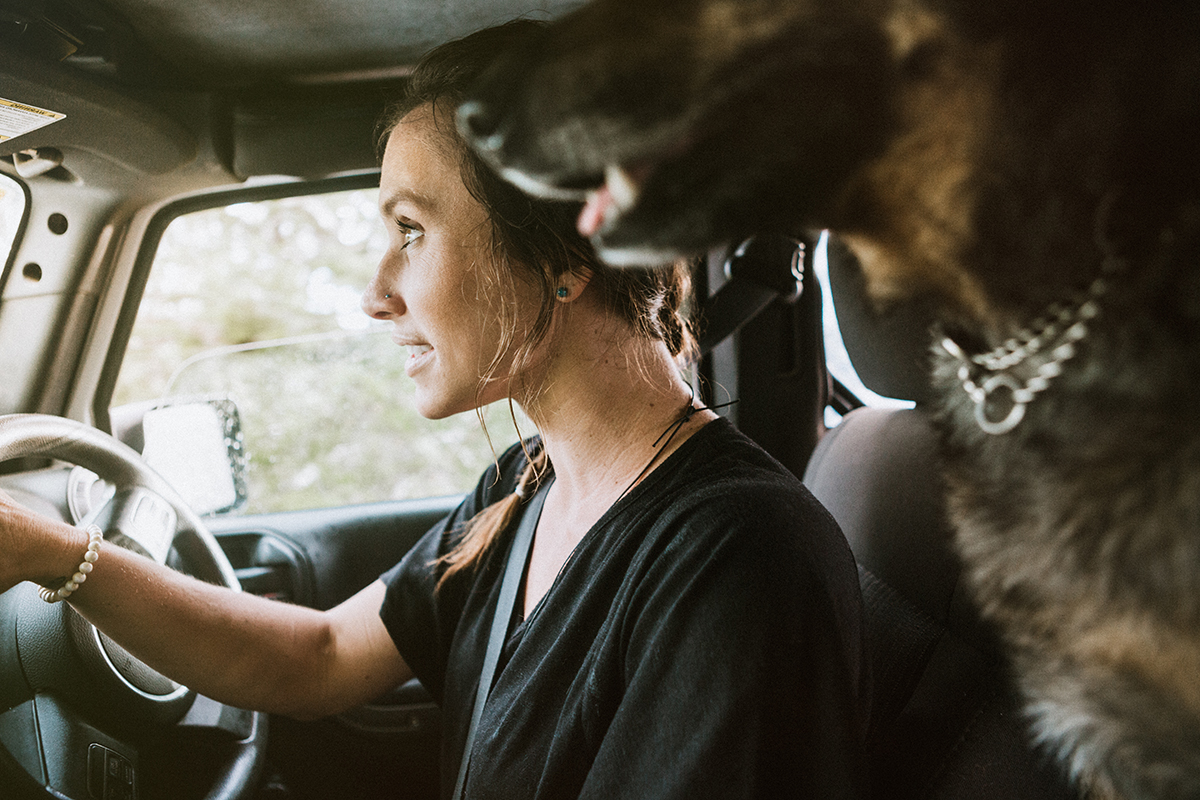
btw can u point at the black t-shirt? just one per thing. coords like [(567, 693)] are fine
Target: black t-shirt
[(703, 640)]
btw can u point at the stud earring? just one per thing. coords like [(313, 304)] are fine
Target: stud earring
[(562, 293), (387, 297)]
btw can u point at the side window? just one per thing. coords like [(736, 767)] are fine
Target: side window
[(256, 305), (12, 206)]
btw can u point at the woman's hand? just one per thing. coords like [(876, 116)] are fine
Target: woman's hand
[(33, 547), (13, 535)]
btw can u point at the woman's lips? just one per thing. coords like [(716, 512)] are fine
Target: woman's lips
[(418, 354)]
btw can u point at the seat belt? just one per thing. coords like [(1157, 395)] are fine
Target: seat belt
[(510, 585), (759, 270)]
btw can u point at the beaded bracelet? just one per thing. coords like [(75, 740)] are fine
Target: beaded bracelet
[(90, 556)]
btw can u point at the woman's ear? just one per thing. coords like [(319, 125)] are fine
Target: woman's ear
[(572, 284)]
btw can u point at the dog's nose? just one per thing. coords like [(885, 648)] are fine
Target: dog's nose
[(479, 125)]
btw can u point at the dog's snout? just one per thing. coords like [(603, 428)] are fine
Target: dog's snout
[(480, 125)]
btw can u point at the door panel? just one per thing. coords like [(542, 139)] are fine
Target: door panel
[(341, 549), (386, 748)]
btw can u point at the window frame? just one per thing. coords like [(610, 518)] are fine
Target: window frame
[(10, 261)]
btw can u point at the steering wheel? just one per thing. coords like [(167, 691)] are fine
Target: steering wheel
[(86, 719)]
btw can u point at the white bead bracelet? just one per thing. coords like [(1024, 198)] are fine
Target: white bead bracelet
[(90, 556)]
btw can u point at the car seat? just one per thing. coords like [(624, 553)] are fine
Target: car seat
[(945, 719)]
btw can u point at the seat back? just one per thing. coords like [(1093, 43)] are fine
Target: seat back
[(945, 720)]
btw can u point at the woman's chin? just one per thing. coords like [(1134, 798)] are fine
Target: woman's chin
[(438, 401), (434, 408)]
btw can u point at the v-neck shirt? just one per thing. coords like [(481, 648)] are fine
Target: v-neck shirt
[(703, 639)]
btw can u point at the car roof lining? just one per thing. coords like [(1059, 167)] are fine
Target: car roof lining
[(229, 42), (226, 89)]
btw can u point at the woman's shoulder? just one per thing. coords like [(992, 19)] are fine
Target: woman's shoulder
[(724, 485), (720, 460)]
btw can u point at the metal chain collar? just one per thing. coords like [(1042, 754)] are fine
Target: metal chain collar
[(1052, 337)]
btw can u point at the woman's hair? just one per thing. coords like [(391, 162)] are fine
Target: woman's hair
[(532, 240)]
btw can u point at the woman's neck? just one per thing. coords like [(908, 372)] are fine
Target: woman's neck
[(606, 400), (602, 414)]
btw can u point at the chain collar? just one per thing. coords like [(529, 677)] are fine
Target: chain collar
[(1045, 345)]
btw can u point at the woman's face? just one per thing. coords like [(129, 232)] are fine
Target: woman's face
[(436, 280)]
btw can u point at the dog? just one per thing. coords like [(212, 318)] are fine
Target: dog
[(1034, 167)]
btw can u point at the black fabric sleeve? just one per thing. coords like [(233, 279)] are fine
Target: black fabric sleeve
[(739, 680), (421, 619)]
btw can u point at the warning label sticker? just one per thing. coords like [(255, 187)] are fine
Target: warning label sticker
[(18, 118)]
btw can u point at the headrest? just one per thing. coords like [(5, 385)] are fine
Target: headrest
[(889, 348)]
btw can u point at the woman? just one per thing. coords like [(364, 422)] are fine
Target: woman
[(687, 622)]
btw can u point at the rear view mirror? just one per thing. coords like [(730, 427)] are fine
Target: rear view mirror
[(196, 445)]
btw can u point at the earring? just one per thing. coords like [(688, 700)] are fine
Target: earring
[(562, 292), (387, 297)]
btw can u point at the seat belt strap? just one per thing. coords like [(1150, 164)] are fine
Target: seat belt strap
[(759, 271), (510, 585)]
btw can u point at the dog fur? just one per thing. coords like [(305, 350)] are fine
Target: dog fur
[(996, 156)]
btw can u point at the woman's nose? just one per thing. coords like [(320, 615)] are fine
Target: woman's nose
[(380, 300)]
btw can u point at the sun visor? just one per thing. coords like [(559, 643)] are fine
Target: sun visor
[(308, 133), (115, 126)]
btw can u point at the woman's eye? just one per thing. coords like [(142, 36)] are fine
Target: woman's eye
[(409, 233)]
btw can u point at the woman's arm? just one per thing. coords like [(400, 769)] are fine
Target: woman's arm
[(237, 648)]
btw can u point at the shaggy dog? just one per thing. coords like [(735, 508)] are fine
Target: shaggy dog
[(1035, 167)]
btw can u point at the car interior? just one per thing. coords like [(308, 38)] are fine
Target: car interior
[(146, 147)]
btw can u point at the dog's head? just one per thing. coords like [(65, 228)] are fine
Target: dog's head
[(683, 108), (929, 133)]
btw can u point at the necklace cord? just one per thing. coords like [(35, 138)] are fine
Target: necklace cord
[(669, 434)]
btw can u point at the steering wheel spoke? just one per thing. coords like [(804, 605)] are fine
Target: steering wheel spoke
[(140, 520)]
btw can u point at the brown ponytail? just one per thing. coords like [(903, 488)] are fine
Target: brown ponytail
[(483, 528)]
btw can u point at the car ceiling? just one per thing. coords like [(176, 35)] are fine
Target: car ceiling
[(226, 42), (239, 87)]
